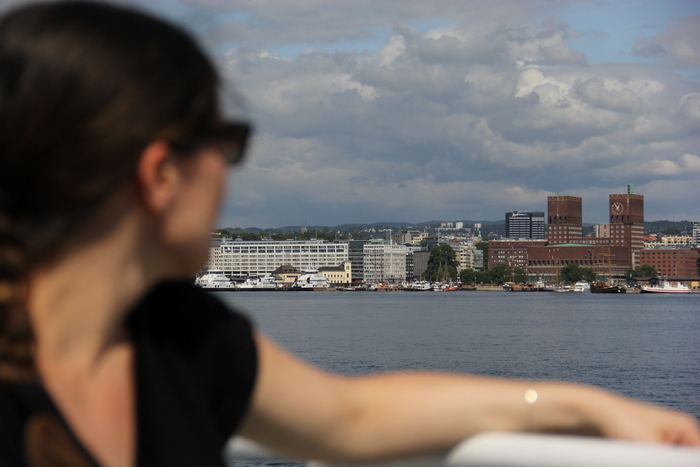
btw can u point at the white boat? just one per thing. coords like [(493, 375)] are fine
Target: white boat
[(582, 286), (311, 280), (421, 285), (667, 287), (214, 279), (266, 282)]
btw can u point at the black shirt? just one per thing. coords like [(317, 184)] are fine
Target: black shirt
[(195, 364)]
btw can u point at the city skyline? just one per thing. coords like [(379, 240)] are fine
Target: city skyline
[(410, 110)]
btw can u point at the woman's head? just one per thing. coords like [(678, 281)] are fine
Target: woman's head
[(84, 89)]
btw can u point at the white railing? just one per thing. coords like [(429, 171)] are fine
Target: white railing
[(528, 450)]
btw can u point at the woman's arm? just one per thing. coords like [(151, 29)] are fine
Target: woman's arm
[(306, 413)]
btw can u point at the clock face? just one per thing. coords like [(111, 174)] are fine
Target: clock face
[(616, 208)]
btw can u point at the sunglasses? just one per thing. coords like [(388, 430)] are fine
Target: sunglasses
[(229, 138)]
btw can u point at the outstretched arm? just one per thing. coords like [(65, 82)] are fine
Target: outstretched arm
[(307, 413)]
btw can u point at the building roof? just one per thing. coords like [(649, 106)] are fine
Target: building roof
[(286, 269)]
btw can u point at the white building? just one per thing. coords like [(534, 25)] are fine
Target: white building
[(384, 262), (238, 258), (696, 233)]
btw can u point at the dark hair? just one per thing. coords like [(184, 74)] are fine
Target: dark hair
[(84, 88)]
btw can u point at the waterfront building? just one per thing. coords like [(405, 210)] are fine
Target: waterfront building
[(384, 262), (356, 256), (671, 262), (338, 276), (608, 262), (525, 225), (513, 253), (241, 259), (410, 250), (420, 263), (286, 274)]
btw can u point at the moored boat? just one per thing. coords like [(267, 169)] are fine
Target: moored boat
[(214, 280), (311, 280), (602, 287), (266, 282), (667, 287)]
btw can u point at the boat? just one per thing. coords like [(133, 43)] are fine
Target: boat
[(216, 280), (311, 280), (602, 287), (582, 286), (421, 286), (266, 282), (667, 287)]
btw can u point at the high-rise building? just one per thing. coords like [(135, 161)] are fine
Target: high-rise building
[(627, 222), (384, 262), (696, 233), (525, 225), (356, 256), (564, 219)]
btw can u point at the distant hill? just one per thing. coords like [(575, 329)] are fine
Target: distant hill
[(662, 226)]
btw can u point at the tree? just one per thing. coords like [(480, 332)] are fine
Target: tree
[(499, 274), (467, 276), (482, 277), (442, 264), (573, 273), (519, 276), (645, 270)]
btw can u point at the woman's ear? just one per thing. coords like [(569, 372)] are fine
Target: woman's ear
[(157, 176)]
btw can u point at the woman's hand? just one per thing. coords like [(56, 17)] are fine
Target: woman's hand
[(627, 419)]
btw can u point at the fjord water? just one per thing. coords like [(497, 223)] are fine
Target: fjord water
[(645, 346)]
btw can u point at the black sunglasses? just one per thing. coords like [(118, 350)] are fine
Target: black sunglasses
[(229, 138)]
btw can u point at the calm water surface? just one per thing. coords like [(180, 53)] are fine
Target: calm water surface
[(640, 345)]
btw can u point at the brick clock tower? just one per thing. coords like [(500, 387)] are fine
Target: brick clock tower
[(627, 223)]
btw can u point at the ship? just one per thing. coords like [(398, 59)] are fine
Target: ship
[(667, 287), (603, 287), (311, 280)]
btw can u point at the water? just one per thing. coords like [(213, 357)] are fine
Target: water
[(645, 346)]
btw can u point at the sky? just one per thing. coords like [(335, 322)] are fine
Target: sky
[(410, 111)]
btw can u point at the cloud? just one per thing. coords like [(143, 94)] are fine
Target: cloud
[(560, 54), (412, 110), (680, 43)]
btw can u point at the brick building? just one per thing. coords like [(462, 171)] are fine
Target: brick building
[(671, 262), (609, 257)]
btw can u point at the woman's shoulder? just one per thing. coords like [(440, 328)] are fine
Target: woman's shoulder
[(181, 312)]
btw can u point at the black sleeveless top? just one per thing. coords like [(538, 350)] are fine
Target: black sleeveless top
[(196, 364)]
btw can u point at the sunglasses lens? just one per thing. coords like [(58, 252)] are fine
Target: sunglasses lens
[(231, 140)]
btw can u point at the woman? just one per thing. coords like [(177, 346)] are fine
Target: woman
[(112, 155)]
